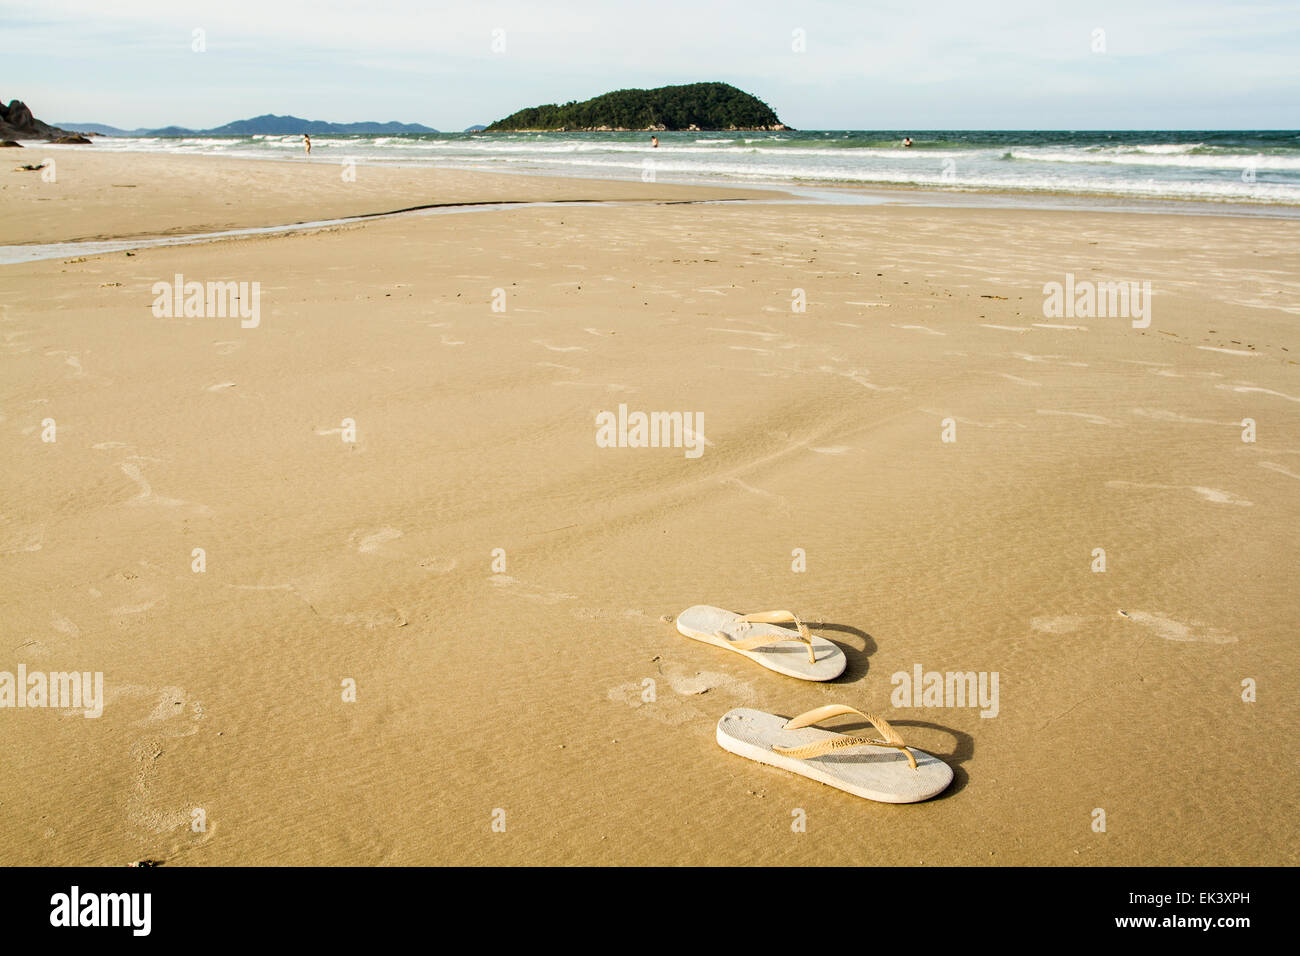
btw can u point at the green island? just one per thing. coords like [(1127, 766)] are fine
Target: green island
[(693, 106)]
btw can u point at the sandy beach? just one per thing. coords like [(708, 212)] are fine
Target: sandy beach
[(920, 463)]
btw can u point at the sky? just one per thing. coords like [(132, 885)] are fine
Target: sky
[(869, 64)]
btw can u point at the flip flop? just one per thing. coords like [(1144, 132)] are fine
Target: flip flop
[(886, 770), (795, 653)]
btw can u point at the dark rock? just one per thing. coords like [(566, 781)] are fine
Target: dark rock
[(17, 114), (17, 122)]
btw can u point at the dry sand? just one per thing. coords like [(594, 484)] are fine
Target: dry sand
[(522, 691)]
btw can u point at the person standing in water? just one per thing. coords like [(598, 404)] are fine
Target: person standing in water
[(306, 142), (907, 141), (654, 142)]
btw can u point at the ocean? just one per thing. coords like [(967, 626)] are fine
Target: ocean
[(1240, 167)]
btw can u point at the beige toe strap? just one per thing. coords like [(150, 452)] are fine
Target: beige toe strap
[(770, 617), (842, 741)]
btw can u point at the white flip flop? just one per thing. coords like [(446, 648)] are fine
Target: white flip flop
[(795, 653), (885, 770)]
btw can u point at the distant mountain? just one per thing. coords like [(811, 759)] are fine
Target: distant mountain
[(99, 129), (267, 125), (271, 125), (694, 106)]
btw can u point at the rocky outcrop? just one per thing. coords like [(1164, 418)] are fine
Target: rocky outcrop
[(17, 122)]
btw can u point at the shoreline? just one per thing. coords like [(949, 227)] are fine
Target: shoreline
[(473, 190), (930, 193)]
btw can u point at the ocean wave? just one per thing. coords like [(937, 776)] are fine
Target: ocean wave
[(1230, 191), (1183, 159), (1204, 168)]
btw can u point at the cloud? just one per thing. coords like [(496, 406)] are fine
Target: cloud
[(902, 64)]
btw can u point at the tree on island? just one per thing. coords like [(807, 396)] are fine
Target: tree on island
[(701, 106)]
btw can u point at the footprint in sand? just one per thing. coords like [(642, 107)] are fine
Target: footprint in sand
[(1272, 466), (16, 348), (609, 388), (174, 716), (439, 565), (1161, 415), (1048, 359), (1211, 348), (1209, 494), (374, 541), (147, 495), (996, 423), (219, 387), (130, 594), (1021, 381), (23, 541), (780, 500), (689, 682), (63, 625), (530, 591), (1264, 391), (1066, 624), (684, 683), (765, 336), (602, 614), (859, 377), (329, 599), (1090, 419), (665, 709), (1172, 630), (373, 619), (32, 650), (558, 348), (69, 359)]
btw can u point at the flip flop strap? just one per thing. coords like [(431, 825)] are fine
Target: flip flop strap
[(842, 741), (762, 640)]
